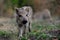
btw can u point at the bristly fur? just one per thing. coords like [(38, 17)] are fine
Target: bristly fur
[(24, 20)]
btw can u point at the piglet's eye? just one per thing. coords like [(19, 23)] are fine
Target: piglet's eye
[(26, 14), (20, 15)]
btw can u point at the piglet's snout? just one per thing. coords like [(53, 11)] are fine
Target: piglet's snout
[(24, 21)]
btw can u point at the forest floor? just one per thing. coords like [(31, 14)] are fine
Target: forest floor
[(9, 30)]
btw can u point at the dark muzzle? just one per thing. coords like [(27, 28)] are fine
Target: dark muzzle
[(24, 21)]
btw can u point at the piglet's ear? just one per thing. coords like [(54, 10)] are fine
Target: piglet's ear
[(27, 9), (16, 10)]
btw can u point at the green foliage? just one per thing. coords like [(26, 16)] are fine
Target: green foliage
[(7, 35), (14, 2), (38, 32), (10, 3), (17, 3), (25, 3), (23, 38), (4, 34), (36, 36), (38, 27)]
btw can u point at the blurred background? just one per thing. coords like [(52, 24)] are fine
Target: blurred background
[(7, 6)]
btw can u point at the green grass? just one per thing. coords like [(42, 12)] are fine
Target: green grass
[(4, 33), (38, 31), (44, 27)]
